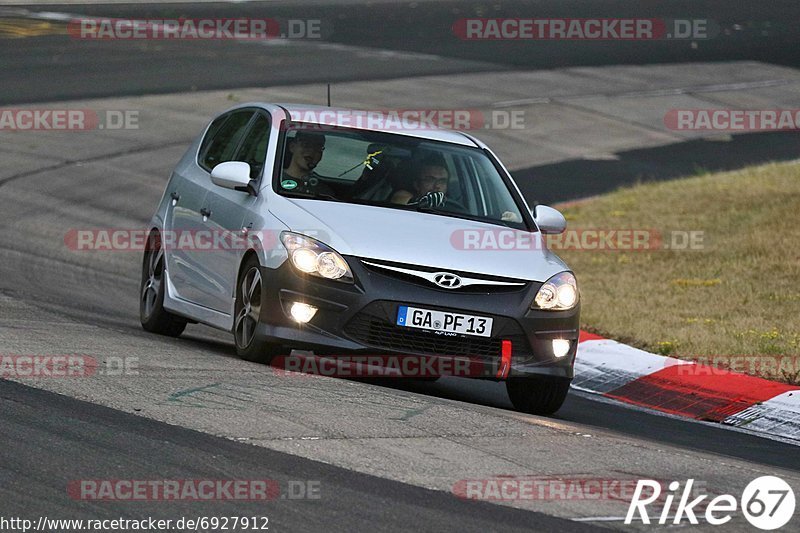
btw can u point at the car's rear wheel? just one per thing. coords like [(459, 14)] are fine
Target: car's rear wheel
[(537, 395), (247, 314), (153, 316)]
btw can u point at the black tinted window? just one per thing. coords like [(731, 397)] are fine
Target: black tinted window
[(223, 137), (254, 147)]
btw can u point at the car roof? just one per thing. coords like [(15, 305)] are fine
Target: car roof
[(355, 118)]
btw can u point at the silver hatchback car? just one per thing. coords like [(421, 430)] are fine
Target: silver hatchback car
[(297, 227)]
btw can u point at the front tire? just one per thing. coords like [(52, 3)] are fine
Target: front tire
[(152, 315), (538, 395), (247, 315)]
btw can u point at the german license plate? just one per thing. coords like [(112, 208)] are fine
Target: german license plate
[(414, 317)]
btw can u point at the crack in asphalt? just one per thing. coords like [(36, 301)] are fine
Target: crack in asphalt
[(93, 159)]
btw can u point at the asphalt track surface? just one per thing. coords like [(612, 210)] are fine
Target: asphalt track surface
[(71, 436), (419, 34), (55, 302)]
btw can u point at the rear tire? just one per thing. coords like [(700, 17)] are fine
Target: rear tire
[(538, 395), (247, 315), (152, 315)]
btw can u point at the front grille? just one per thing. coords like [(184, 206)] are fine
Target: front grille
[(515, 285), (373, 327)]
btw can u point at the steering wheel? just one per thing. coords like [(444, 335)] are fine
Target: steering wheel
[(450, 202)]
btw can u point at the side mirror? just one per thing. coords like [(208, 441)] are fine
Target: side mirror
[(549, 220), (232, 175)]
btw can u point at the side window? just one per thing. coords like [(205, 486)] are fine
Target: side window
[(223, 138), (254, 147)]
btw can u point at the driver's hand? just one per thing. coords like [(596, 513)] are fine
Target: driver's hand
[(431, 200), (508, 216)]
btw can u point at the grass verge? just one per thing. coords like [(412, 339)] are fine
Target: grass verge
[(733, 301)]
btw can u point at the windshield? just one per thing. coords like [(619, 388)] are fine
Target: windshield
[(396, 172)]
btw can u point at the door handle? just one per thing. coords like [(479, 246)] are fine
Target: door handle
[(175, 197), (206, 212)]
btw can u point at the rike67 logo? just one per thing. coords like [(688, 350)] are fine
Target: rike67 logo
[(767, 502)]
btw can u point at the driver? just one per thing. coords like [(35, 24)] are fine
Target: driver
[(306, 152), (430, 184)]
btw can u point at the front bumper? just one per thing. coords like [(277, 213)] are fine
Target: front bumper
[(360, 318)]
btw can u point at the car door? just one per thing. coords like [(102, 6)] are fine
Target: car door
[(186, 254), (228, 209)]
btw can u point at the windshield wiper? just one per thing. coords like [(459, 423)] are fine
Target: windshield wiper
[(444, 212), (318, 196), (462, 216)]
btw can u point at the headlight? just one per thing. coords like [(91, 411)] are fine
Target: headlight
[(312, 257), (558, 293)]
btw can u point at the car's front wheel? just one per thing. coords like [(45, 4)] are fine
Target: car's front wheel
[(153, 316), (247, 314), (538, 395)]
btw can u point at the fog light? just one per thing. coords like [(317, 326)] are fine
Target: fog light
[(560, 347), (302, 312)]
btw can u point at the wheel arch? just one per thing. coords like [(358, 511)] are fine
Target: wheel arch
[(251, 252)]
